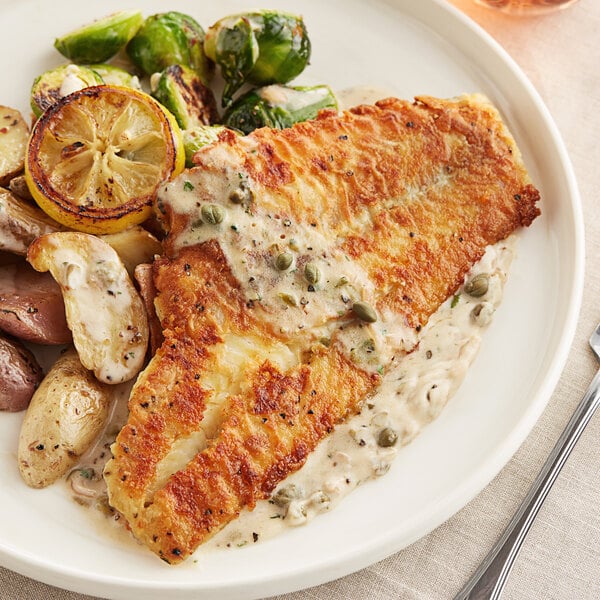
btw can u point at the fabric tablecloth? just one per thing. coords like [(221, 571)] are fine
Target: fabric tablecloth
[(560, 558)]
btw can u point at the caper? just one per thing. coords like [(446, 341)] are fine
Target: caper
[(241, 195), (482, 314), (212, 214), (312, 273), (286, 494), (478, 285), (284, 261), (387, 437), (364, 311), (343, 280)]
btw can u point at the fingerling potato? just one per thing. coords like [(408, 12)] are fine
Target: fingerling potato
[(21, 223), (134, 246), (20, 375), (14, 135), (31, 305), (104, 310), (66, 414)]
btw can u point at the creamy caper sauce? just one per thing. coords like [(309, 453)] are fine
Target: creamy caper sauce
[(413, 393), (273, 259)]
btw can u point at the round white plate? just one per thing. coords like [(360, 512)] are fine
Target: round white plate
[(409, 48)]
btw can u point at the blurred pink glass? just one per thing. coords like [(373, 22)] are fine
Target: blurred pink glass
[(526, 7)]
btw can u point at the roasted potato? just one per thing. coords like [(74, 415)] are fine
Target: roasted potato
[(104, 310), (14, 135), (66, 414), (31, 305), (145, 280), (134, 246), (18, 186), (21, 223), (20, 375)]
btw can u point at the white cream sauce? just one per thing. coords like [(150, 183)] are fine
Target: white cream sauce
[(414, 390), (413, 394)]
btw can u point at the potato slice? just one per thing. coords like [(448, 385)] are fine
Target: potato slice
[(21, 223), (20, 374), (66, 414), (31, 305), (134, 246), (14, 135), (104, 310), (18, 186)]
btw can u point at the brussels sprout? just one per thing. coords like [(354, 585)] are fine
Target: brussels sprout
[(259, 47), (112, 75), (197, 137), (278, 106), (181, 90), (51, 86), (167, 39), (101, 39)]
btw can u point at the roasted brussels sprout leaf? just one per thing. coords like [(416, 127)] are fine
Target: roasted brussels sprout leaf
[(102, 39), (49, 87), (166, 39), (112, 75), (197, 137), (181, 90), (260, 48), (278, 106)]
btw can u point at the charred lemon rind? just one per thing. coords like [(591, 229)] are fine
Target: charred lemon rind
[(96, 158)]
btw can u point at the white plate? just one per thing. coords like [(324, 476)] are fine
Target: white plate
[(410, 48)]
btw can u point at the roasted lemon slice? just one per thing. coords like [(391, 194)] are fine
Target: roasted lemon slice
[(96, 158)]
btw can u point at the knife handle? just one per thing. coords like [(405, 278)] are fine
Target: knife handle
[(489, 579)]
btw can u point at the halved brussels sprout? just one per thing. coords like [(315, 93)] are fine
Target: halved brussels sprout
[(181, 90), (112, 75), (278, 106), (197, 137), (49, 87), (167, 39), (102, 39), (260, 47)]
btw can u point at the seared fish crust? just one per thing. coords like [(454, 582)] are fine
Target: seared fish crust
[(299, 263)]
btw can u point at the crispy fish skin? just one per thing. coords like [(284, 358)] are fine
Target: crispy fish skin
[(410, 192)]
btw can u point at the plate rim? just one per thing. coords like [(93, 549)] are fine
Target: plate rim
[(463, 493)]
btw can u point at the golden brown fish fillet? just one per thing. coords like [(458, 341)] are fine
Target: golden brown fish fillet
[(386, 205)]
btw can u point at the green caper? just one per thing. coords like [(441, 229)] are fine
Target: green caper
[(343, 280), (284, 261), (478, 285), (312, 273), (212, 214), (286, 494), (241, 195), (387, 437), (364, 311)]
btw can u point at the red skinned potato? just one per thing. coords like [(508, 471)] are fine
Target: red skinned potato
[(31, 305), (20, 375)]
